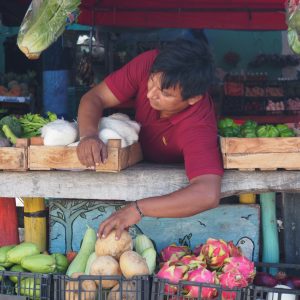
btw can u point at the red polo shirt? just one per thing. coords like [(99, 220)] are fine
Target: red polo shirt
[(189, 136)]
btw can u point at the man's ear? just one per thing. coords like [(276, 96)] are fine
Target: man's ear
[(195, 99)]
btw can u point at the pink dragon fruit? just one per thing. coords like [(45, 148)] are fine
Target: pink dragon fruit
[(232, 279), (242, 264), (201, 275), (174, 252), (233, 250), (215, 252), (173, 273), (192, 261), (197, 249)]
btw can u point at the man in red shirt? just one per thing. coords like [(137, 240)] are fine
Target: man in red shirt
[(177, 124)]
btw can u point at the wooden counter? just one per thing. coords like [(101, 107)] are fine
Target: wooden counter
[(139, 181)]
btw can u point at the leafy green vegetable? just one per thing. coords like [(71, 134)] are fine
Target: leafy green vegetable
[(9, 134), (43, 24), (32, 123), (293, 40), (14, 125)]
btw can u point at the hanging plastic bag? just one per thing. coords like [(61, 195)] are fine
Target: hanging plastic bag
[(293, 22), (44, 22)]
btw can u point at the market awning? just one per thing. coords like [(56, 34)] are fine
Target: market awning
[(214, 14)]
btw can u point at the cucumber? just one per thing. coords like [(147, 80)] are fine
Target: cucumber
[(91, 259), (16, 268), (149, 255), (24, 249), (3, 253), (87, 248), (142, 242)]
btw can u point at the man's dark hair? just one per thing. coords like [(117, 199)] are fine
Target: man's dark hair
[(188, 64)]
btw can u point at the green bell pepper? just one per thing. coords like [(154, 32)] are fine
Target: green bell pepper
[(249, 124), (225, 123), (282, 127), (287, 133), (267, 131), (248, 132), (230, 132)]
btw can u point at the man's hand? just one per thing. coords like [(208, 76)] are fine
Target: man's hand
[(119, 220), (91, 151)]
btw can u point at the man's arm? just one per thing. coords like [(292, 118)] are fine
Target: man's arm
[(91, 150), (201, 194)]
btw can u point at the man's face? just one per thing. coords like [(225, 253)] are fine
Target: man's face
[(167, 101)]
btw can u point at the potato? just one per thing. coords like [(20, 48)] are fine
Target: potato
[(88, 288), (105, 265), (129, 291), (112, 247), (132, 264)]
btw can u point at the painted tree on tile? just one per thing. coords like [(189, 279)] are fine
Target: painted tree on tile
[(65, 212)]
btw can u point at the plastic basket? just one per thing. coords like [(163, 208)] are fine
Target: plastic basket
[(90, 287), (256, 292), (30, 285), (164, 290)]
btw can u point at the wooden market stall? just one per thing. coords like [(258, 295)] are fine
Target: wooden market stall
[(146, 180)]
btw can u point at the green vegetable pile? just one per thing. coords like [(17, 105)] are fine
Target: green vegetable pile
[(13, 124), (26, 126), (250, 129), (32, 123)]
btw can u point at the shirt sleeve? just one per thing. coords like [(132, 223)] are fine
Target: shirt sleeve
[(124, 83), (201, 151)]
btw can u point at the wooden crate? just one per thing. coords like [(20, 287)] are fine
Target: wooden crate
[(42, 157), (14, 158), (261, 153)]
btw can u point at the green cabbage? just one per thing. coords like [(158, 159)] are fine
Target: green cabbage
[(43, 24)]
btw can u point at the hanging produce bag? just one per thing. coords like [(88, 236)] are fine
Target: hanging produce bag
[(44, 22), (293, 22)]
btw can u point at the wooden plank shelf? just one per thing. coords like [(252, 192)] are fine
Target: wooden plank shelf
[(139, 181)]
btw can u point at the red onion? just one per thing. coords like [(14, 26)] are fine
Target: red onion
[(264, 279), (292, 281)]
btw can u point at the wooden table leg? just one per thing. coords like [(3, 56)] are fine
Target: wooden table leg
[(35, 223), (270, 243)]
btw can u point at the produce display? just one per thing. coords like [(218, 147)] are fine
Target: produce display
[(17, 85), (258, 95), (250, 129), (103, 262), (113, 269), (27, 269), (215, 262), (26, 126)]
